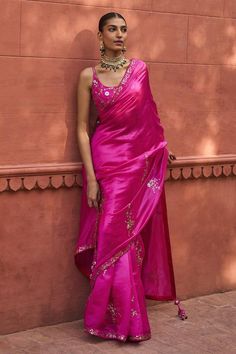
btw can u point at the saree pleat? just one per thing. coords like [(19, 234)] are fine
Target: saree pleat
[(124, 247)]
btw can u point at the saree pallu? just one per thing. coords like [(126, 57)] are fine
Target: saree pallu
[(124, 247)]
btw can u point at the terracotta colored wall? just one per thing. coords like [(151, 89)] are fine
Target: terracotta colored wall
[(189, 47)]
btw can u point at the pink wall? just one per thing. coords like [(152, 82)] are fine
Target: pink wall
[(189, 47)]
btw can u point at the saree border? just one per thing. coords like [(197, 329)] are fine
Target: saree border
[(113, 335), (124, 80), (110, 262)]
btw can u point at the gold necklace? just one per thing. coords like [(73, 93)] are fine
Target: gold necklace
[(112, 63)]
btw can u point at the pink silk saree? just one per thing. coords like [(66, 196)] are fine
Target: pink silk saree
[(124, 247)]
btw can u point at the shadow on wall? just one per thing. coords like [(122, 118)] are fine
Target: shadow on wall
[(203, 237), (73, 68)]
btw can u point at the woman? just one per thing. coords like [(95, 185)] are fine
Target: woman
[(123, 245)]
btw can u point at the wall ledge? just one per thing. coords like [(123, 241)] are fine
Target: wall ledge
[(14, 178), (195, 167)]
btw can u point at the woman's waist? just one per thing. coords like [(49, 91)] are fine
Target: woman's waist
[(117, 161), (137, 133), (124, 150)]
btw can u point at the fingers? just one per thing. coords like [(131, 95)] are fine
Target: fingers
[(90, 203), (95, 202)]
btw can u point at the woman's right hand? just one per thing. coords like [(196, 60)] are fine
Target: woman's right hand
[(93, 194)]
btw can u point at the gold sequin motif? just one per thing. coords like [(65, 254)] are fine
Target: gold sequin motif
[(154, 184), (129, 219), (114, 312), (139, 251)]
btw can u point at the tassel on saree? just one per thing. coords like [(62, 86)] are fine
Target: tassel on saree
[(181, 312)]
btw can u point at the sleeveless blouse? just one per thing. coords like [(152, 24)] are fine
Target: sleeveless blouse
[(104, 95)]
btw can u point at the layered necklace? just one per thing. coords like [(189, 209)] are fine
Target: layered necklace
[(113, 63)]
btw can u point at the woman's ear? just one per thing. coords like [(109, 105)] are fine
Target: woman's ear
[(99, 35)]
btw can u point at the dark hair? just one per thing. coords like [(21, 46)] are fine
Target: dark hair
[(108, 16)]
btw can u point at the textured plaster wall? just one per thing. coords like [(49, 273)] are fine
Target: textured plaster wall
[(190, 49)]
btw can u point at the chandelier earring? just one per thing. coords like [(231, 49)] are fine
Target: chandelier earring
[(102, 48)]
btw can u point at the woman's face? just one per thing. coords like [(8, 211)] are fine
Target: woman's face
[(114, 34)]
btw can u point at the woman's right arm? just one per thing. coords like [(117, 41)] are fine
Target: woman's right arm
[(83, 103)]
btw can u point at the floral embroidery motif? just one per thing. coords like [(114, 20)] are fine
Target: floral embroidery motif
[(114, 312), (134, 313), (129, 221), (139, 251), (154, 184)]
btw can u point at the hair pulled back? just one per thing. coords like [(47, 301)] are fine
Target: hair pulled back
[(106, 17)]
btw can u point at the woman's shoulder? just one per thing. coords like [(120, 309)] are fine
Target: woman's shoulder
[(86, 73), (86, 76)]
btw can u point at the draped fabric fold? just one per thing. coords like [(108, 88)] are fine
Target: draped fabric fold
[(124, 247)]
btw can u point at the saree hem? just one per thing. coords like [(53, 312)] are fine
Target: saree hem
[(120, 337)]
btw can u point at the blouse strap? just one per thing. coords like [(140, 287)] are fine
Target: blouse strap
[(94, 71)]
